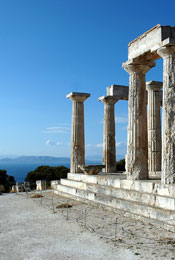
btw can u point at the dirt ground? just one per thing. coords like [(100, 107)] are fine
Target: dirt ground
[(45, 228)]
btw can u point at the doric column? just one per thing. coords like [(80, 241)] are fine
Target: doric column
[(109, 152), (77, 139), (168, 122), (154, 126), (137, 143)]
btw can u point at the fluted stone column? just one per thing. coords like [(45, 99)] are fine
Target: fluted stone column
[(77, 139), (137, 143), (109, 148), (168, 122), (154, 126)]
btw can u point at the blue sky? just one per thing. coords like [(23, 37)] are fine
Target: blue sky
[(49, 48)]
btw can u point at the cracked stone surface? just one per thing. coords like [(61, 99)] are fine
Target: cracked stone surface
[(168, 122)]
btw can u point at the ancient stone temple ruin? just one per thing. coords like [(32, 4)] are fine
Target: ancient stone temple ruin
[(147, 188)]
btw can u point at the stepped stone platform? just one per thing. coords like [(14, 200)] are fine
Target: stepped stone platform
[(138, 199)]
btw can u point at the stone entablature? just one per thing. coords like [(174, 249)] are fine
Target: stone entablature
[(122, 92), (148, 43), (119, 91)]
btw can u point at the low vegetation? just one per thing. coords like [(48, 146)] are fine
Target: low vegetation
[(64, 205), (120, 165), (36, 196), (6, 181), (47, 173)]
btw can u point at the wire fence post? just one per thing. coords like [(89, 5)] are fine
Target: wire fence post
[(115, 230), (52, 204), (85, 214), (41, 196), (67, 215)]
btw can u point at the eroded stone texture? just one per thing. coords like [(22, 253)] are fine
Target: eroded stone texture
[(109, 147), (168, 123), (41, 185), (146, 45), (154, 126), (137, 144), (91, 169), (120, 92), (77, 139)]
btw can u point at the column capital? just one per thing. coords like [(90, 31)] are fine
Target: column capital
[(108, 100), (154, 85), (138, 66), (77, 96), (166, 51)]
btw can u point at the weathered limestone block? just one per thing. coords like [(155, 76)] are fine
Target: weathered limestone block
[(19, 187), (147, 44), (120, 92), (82, 177), (40, 185), (154, 126), (109, 147), (137, 143), (54, 183), (13, 188), (74, 184), (77, 140), (165, 189), (168, 123)]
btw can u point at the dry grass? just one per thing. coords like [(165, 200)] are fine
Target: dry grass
[(36, 196), (168, 241), (64, 205)]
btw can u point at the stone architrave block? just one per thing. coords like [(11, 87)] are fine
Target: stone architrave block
[(148, 43)]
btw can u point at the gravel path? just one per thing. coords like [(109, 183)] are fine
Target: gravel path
[(31, 230), (28, 231)]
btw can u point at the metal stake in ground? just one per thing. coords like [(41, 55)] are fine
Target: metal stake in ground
[(52, 204), (67, 216), (115, 230), (41, 196), (85, 214)]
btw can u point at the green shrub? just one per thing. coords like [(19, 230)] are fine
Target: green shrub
[(6, 180), (47, 173), (120, 165)]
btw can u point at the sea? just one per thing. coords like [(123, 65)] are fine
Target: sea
[(20, 170)]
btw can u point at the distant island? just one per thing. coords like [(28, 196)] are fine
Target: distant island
[(53, 160), (37, 160), (20, 166)]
